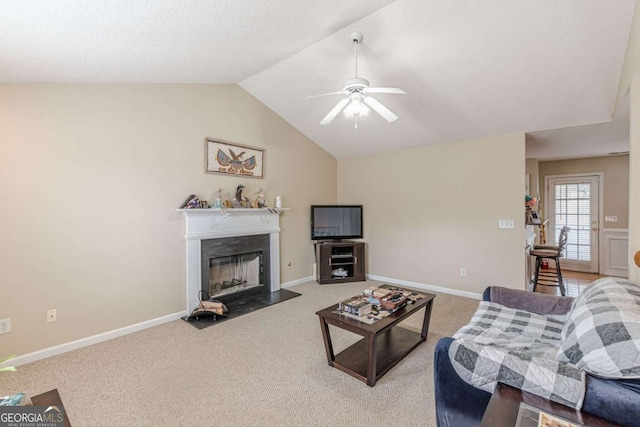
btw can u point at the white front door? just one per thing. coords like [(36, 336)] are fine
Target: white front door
[(574, 202)]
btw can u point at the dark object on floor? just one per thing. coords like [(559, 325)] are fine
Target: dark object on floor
[(244, 306), (461, 404), (208, 308)]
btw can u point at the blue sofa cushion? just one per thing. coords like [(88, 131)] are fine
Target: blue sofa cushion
[(457, 403)]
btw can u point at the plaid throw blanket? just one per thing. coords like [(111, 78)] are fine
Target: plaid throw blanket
[(517, 348), (602, 331)]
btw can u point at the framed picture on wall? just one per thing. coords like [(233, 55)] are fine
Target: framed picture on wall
[(233, 159)]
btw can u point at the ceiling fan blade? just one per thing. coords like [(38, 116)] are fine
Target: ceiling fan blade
[(387, 114), (383, 90), (343, 92), (334, 112)]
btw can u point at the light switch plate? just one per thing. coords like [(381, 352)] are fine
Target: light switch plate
[(506, 223), (611, 218), (5, 326)]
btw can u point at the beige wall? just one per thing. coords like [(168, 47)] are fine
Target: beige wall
[(634, 179), (430, 211), (615, 170), (92, 175)]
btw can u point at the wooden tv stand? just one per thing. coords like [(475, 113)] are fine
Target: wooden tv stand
[(340, 261)]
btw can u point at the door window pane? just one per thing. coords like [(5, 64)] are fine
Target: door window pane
[(573, 209)]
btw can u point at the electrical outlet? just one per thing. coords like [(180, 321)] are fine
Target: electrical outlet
[(5, 326), (506, 223), (52, 315), (463, 272)]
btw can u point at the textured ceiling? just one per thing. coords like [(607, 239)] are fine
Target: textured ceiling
[(471, 69), (195, 41)]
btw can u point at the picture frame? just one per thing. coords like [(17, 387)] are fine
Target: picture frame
[(228, 158), (533, 217)]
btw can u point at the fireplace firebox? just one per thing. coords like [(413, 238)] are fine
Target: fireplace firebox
[(235, 268)]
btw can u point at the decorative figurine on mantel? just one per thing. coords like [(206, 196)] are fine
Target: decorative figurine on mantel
[(218, 202), (240, 201), (260, 201)]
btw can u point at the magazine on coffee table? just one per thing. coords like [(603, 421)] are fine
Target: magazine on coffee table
[(379, 312)]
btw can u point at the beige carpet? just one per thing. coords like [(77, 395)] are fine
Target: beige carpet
[(267, 368)]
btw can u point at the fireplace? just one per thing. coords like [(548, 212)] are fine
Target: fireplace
[(209, 232), (234, 268), (234, 273)]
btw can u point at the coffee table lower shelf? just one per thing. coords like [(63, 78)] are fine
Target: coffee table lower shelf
[(391, 347)]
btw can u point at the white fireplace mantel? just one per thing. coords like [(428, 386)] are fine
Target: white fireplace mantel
[(203, 224)]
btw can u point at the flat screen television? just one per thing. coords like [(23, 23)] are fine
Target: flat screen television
[(336, 222)]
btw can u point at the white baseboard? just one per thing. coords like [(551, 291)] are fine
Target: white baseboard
[(105, 336), (95, 339), (297, 282), (425, 287)]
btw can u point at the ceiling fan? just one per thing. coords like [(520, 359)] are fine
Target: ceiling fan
[(357, 89)]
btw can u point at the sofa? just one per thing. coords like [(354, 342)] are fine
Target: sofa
[(610, 391)]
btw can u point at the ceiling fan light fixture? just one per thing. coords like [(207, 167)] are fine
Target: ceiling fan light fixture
[(356, 103), (356, 107)]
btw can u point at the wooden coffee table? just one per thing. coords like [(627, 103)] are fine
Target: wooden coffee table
[(383, 345)]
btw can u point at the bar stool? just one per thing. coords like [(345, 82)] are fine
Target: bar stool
[(553, 252)]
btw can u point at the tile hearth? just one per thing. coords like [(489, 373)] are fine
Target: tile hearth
[(245, 306)]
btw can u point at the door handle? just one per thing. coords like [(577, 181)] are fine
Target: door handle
[(594, 228)]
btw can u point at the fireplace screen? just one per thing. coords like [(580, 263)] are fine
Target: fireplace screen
[(234, 273)]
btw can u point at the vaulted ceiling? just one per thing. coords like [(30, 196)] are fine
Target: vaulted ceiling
[(470, 69)]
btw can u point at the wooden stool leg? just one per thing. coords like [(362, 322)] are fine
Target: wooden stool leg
[(559, 274), (535, 276)]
